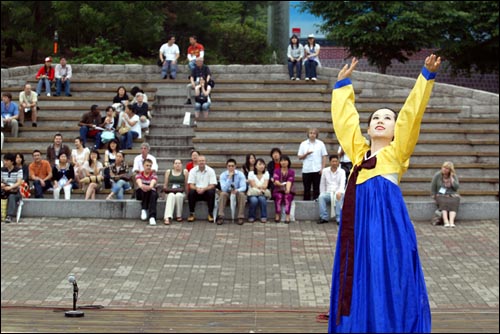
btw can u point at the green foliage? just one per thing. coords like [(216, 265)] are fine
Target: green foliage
[(239, 44), (102, 52), (378, 30), (470, 36), (465, 32), (132, 29)]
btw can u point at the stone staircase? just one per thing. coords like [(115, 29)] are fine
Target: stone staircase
[(255, 108)]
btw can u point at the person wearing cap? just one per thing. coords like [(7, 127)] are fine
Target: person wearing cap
[(311, 59), (45, 76), (89, 123), (63, 75)]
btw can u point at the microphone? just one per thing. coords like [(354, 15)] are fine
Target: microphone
[(72, 280), (74, 312)]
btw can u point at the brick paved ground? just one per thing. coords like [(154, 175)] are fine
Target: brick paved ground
[(127, 264)]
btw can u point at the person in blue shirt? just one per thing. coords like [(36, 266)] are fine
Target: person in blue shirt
[(10, 114), (232, 181)]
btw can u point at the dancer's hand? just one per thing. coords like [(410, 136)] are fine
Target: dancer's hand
[(347, 70), (432, 63)]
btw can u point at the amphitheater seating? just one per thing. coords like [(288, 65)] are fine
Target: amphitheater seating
[(254, 115)]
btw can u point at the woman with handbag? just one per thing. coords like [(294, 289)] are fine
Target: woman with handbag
[(129, 127), (257, 193), (175, 187), (283, 192)]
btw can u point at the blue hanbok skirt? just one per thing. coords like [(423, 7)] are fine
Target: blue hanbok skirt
[(389, 293)]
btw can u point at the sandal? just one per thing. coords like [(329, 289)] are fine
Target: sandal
[(179, 219), (166, 221)]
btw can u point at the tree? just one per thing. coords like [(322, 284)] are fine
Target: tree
[(465, 33), (470, 36)]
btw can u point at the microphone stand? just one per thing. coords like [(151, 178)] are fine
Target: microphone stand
[(74, 313)]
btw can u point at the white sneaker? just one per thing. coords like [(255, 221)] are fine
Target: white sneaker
[(152, 221), (48, 94), (298, 79), (144, 215), (313, 79), (306, 79)]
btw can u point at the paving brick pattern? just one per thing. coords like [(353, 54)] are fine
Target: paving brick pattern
[(128, 264)]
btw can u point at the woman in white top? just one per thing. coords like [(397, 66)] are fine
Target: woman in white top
[(311, 59), (78, 157), (295, 54), (258, 193), (131, 120)]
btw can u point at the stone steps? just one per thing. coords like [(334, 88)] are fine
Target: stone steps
[(261, 104)]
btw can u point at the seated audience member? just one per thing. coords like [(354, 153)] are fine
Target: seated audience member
[(63, 176), (93, 175), (28, 100), (175, 187), (232, 182), (295, 54), (249, 165), (23, 166), (146, 192), (194, 51), (199, 71), (79, 155), (89, 126), (109, 124), (121, 96), (257, 193), (119, 173), (10, 114), (274, 164), (283, 192), (129, 120), (311, 59), (140, 108), (63, 75), (109, 159), (444, 190), (134, 91), (45, 77), (139, 160), (40, 174), (194, 160), (169, 54), (331, 188), (53, 150), (202, 99), (202, 182), (12, 178)]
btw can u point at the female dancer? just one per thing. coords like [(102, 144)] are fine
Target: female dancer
[(377, 281)]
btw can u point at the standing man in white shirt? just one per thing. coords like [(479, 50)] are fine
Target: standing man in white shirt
[(314, 154), (332, 188), (169, 53), (63, 75)]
